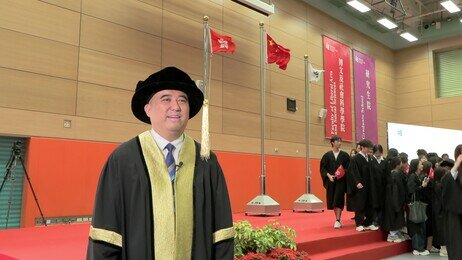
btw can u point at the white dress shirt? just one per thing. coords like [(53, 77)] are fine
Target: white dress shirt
[(162, 142)]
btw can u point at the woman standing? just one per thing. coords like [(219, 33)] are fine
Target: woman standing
[(417, 185)]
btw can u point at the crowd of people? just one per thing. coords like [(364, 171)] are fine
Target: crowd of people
[(418, 200)]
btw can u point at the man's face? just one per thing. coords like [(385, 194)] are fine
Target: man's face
[(358, 148), (366, 150), (378, 154), (445, 157), (169, 113), (337, 144)]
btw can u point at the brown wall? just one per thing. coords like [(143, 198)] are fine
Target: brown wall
[(80, 60), (417, 102)]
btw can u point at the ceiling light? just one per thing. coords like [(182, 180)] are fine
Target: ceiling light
[(408, 37), (461, 20), (450, 6), (356, 4), (387, 23)]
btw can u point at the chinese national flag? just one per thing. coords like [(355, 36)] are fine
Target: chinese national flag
[(221, 43), (276, 53)]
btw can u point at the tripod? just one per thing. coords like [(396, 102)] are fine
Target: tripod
[(10, 167)]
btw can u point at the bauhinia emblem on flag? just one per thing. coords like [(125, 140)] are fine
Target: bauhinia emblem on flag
[(315, 74), (221, 43), (277, 53)]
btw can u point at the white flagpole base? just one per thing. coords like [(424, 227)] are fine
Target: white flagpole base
[(308, 203), (263, 205)]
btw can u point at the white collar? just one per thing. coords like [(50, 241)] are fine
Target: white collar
[(162, 142)]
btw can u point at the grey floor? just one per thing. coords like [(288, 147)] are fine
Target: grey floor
[(411, 256)]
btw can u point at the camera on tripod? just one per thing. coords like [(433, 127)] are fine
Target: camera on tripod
[(16, 148)]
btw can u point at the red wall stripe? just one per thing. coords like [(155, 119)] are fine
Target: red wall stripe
[(64, 174)]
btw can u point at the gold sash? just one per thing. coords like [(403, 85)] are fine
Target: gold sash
[(173, 229)]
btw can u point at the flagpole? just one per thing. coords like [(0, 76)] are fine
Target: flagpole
[(262, 95), (307, 202), (205, 136), (263, 204)]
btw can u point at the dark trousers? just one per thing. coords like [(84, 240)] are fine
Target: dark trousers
[(364, 217), (419, 238)]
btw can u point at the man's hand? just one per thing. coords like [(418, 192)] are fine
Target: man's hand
[(331, 177), (359, 185)]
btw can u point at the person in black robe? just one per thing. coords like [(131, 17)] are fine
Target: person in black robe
[(395, 200), (335, 185), (350, 186), (417, 187), (438, 212), (360, 170), (451, 185), (379, 170), (156, 203)]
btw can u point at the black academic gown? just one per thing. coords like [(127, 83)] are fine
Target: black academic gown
[(395, 199), (452, 203), (438, 216), (360, 170), (335, 191), (123, 213), (378, 182)]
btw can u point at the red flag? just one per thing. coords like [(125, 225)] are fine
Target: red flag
[(221, 43), (277, 53), (340, 172)]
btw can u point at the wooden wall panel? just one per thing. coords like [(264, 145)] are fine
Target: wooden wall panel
[(414, 99), (40, 19), (284, 85), (279, 108), (183, 30), (298, 47), (111, 38), (109, 70), (414, 115), (240, 73), (34, 54), (156, 3), (414, 53), (215, 120), (412, 84), (244, 99), (289, 24), (246, 51), (241, 25), (239, 9), (244, 123), (314, 34), (293, 7), (95, 101), (413, 68), (287, 130), (196, 10), (189, 59), (131, 13), (74, 5), (30, 91)]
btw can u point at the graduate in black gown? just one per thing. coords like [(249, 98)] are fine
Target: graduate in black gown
[(360, 170), (439, 237), (335, 186), (452, 203), (395, 200), (157, 198), (379, 170)]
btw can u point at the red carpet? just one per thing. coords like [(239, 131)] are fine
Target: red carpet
[(315, 234)]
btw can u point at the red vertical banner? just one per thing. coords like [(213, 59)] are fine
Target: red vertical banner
[(337, 89)]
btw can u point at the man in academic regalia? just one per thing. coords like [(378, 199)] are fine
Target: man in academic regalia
[(334, 161), (360, 170), (452, 196), (156, 197)]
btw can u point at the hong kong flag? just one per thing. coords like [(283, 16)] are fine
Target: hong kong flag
[(277, 53), (221, 43)]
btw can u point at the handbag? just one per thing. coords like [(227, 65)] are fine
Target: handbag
[(417, 211)]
